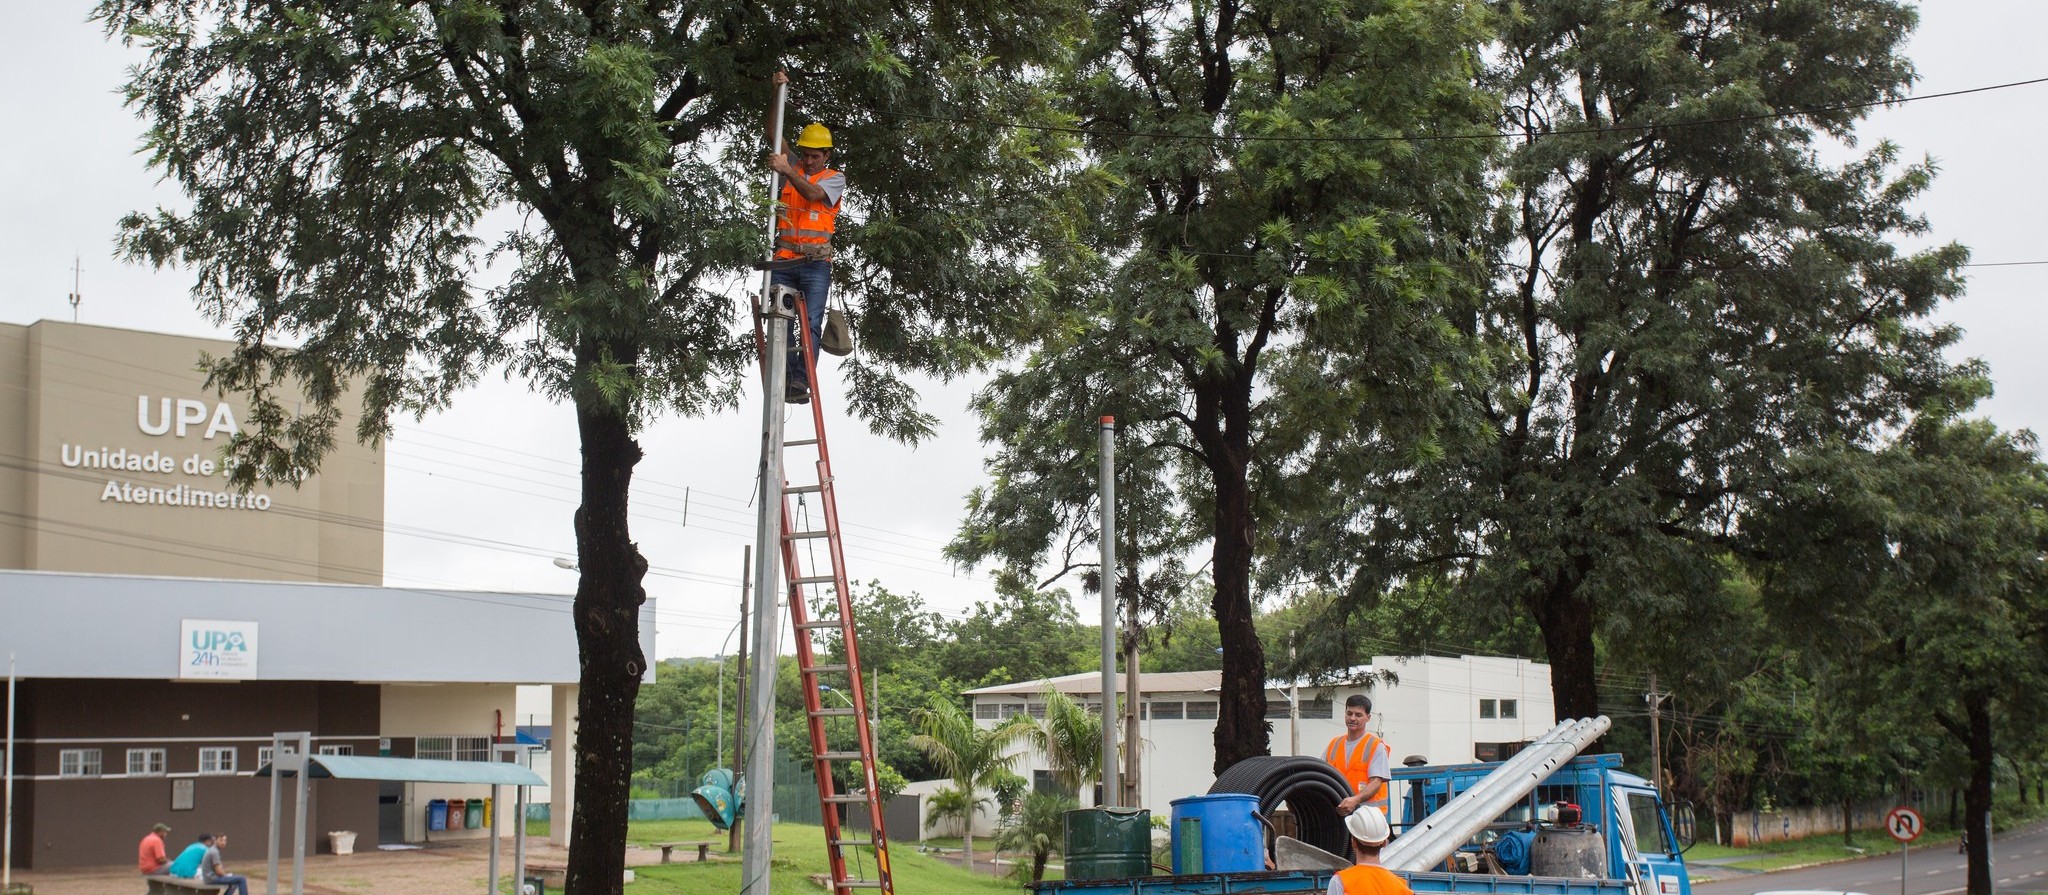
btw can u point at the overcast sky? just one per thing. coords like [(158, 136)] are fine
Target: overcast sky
[(481, 496)]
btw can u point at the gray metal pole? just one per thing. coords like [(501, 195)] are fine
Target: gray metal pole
[(1112, 793), (760, 779), (302, 793), (7, 838), (277, 769), (739, 702), (497, 808)]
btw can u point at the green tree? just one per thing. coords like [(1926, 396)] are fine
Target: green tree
[(971, 755), (1273, 250), (1687, 294), (1922, 570), (1039, 830), (1026, 635), (951, 804), (351, 166)]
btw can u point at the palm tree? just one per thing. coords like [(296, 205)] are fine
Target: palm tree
[(1040, 830), (972, 757), (951, 804), (1071, 738)]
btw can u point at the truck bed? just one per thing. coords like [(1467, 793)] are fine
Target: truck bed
[(1309, 881)]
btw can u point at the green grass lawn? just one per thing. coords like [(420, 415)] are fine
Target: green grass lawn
[(799, 853)]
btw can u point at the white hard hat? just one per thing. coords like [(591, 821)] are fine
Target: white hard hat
[(1368, 825)]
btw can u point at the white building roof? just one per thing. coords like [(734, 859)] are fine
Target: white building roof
[(74, 625)]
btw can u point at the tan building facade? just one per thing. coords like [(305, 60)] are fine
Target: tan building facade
[(111, 451)]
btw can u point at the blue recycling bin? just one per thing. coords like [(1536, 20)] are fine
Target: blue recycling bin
[(437, 815)]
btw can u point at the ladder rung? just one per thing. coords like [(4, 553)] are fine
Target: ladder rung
[(818, 623), (844, 799), (842, 843), (808, 535), (839, 756), (816, 579), (798, 442), (858, 884), (828, 669), (835, 712), (802, 489)]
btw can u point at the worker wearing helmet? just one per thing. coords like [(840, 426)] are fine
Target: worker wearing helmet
[(806, 214), (1369, 833)]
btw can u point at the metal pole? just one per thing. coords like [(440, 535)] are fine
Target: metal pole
[(755, 860), (277, 769), (497, 808), (1656, 700), (7, 838), (1903, 848), (739, 705), (1111, 793), (302, 793)]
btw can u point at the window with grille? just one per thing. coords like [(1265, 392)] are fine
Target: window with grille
[(1167, 711), (1487, 709), (1199, 711), (337, 750), (453, 748), (145, 762), (1508, 708), (217, 760), (1318, 708), (78, 763), (264, 754), (987, 711)]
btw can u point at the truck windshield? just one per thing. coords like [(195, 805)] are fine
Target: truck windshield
[(1649, 823)]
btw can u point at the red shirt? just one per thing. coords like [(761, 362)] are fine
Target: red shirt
[(150, 856)]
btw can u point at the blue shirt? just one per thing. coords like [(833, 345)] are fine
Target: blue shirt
[(187, 864)]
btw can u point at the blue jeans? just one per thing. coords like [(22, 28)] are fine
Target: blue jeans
[(813, 279), (237, 884)]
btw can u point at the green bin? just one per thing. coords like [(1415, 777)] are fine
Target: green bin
[(1108, 843), (473, 814)]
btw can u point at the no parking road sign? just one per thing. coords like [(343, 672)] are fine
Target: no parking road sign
[(1904, 824)]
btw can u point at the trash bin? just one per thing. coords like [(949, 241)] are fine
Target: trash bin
[(487, 812), (437, 815), (534, 886), (455, 810), (473, 814), (343, 841)]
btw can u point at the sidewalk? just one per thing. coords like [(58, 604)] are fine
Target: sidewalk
[(451, 869)]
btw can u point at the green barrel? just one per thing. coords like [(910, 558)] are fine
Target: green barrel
[(1109, 843)]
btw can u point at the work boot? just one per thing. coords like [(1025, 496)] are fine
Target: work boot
[(796, 394)]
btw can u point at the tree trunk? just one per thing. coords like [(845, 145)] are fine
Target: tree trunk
[(1977, 799), (607, 613), (1241, 728), (1567, 624), (1848, 824)]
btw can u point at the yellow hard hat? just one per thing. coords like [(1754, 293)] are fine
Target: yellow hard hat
[(814, 136)]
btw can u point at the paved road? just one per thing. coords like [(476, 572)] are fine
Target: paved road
[(2019, 864)]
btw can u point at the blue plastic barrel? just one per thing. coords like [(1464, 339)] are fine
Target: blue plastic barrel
[(1217, 833), (437, 815)]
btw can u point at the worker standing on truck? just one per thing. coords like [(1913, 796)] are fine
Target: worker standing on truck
[(806, 215), (1369, 833), (1362, 757)]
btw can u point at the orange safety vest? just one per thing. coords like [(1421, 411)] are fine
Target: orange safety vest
[(801, 222), (1372, 879), (1357, 766)]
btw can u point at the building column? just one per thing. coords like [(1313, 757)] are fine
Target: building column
[(562, 764)]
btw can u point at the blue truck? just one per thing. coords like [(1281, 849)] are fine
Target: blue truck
[(1543, 822)]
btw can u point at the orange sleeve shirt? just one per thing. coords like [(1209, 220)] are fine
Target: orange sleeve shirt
[(150, 858)]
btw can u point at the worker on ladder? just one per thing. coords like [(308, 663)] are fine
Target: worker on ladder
[(807, 209)]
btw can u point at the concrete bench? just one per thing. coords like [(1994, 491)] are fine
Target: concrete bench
[(163, 884), (703, 849)]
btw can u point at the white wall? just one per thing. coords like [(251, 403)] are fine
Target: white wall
[(450, 709), (1433, 711)]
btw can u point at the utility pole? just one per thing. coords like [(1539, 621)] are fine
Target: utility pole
[(739, 703), (1656, 700), (1112, 791)]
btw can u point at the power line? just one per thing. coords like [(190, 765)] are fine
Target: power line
[(1477, 135)]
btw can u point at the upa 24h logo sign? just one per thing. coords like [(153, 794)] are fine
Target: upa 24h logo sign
[(210, 648)]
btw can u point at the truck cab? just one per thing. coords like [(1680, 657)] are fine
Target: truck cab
[(1622, 829)]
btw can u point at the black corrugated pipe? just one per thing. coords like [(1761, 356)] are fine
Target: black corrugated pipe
[(1310, 787)]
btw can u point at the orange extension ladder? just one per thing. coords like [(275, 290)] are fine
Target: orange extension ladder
[(844, 848)]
